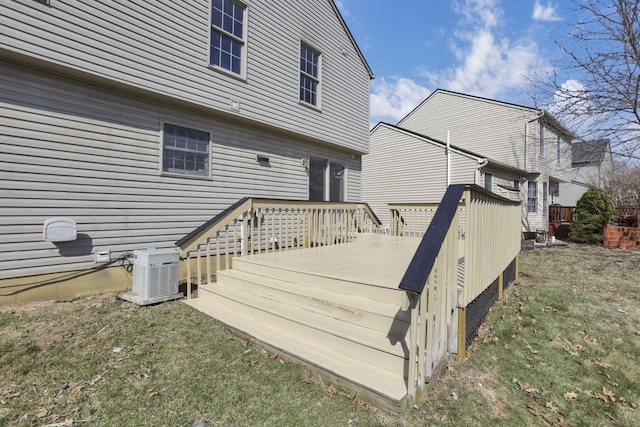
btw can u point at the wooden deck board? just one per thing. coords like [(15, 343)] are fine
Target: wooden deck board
[(373, 259)]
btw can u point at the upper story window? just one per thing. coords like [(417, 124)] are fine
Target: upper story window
[(228, 35), (309, 75), (185, 151)]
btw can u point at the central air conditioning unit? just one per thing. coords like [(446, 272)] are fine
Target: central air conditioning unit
[(155, 276)]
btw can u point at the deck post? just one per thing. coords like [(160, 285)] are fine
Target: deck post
[(188, 290), (462, 333), (412, 379)]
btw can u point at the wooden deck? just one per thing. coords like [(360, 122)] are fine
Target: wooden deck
[(337, 308)]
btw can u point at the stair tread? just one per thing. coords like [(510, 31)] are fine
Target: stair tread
[(256, 323), (345, 299), (367, 329)]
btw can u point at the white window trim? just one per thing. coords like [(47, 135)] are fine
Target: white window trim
[(537, 198), (193, 126), (243, 66), (318, 105)]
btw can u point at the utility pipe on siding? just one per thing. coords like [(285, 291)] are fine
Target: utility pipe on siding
[(448, 158), (526, 139)]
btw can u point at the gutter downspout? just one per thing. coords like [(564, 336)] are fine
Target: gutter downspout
[(481, 163)]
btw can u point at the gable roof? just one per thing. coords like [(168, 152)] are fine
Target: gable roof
[(464, 152), (589, 151), (353, 40), (544, 115)]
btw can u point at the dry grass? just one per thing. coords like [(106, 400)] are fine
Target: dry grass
[(563, 348)]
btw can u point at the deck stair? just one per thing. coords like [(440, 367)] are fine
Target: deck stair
[(331, 307)]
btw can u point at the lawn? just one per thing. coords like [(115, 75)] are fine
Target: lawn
[(562, 348)]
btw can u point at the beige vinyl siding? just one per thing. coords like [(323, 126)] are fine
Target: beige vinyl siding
[(74, 150), (571, 192), (502, 181), (162, 47), (483, 126), (401, 168)]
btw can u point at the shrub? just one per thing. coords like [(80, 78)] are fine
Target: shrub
[(593, 211)]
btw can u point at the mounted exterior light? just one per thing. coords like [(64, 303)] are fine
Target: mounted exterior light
[(262, 159)]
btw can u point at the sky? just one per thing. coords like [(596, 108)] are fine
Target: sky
[(488, 48)]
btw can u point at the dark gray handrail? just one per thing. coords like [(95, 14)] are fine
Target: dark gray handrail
[(415, 277)]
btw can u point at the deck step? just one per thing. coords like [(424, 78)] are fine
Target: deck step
[(261, 266), (308, 345), (340, 336), (384, 330), (377, 313)]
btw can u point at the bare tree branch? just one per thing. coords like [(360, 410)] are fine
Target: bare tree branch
[(598, 95)]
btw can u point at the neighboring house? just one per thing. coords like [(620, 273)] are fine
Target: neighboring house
[(592, 166), (407, 167), (527, 154), (139, 122)]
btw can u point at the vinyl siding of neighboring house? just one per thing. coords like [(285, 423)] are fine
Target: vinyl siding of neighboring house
[(591, 166), (484, 126), (404, 167), (82, 115), (505, 133), (163, 47)]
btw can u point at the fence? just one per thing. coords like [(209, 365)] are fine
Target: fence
[(254, 225), (455, 263)]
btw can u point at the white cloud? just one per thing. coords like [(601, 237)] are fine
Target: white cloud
[(488, 64), (572, 106), (393, 98), (343, 10), (545, 12)]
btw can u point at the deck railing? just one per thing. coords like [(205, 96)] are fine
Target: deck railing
[(254, 225), (559, 214), (454, 264)]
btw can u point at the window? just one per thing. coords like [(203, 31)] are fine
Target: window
[(309, 75), (545, 198), (516, 184), (532, 197), (227, 49), (488, 181), (326, 181), (185, 151)]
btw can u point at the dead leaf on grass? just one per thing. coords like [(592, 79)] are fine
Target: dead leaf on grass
[(604, 365), (569, 395), (589, 340), (268, 354), (332, 391), (551, 407)]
